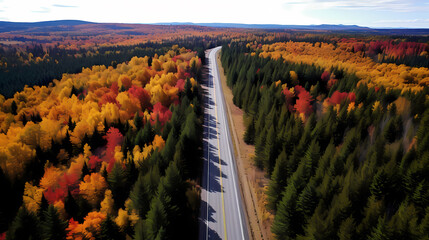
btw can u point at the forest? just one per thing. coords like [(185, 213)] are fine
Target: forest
[(340, 132), (107, 153), (101, 130)]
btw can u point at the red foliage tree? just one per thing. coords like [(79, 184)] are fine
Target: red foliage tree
[(142, 95), (289, 96), (162, 113), (180, 84), (326, 75), (303, 103), (338, 97), (114, 138)]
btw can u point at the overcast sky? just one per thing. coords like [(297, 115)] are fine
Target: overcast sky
[(372, 13)]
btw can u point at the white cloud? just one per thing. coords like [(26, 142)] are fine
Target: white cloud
[(404, 21), (381, 5)]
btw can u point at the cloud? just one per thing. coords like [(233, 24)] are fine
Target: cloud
[(403, 21), (63, 6), (42, 10), (381, 5)]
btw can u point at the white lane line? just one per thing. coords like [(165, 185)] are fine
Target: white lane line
[(230, 154), (208, 158)]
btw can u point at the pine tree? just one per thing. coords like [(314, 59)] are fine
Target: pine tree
[(278, 181), (249, 135), (13, 108), (117, 181), (110, 230), (379, 185), (53, 227), (380, 232), (43, 207), (71, 206), (188, 89), (308, 199), (260, 149), (24, 226), (139, 230), (347, 229), (85, 171), (270, 150), (285, 225), (144, 189), (156, 220)]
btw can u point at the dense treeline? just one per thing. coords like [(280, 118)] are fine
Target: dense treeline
[(345, 161), (37, 66), (353, 60), (108, 153)]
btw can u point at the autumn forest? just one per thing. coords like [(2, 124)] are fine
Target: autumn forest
[(101, 130)]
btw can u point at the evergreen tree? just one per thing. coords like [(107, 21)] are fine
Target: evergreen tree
[(285, 225), (380, 232), (155, 221), (249, 135), (278, 181), (24, 226), (117, 181), (143, 191), (170, 145), (53, 227), (85, 171), (308, 199), (13, 108), (270, 150), (71, 206), (347, 229), (110, 231)]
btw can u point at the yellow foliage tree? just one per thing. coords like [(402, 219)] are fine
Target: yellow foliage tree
[(92, 188), (32, 197), (107, 206)]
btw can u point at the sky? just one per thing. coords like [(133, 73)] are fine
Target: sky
[(370, 13)]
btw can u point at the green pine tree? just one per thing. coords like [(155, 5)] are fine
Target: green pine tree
[(285, 225), (156, 220), (53, 227), (110, 231), (278, 181), (24, 226), (117, 181)]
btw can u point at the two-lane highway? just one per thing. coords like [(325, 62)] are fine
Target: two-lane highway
[(221, 214)]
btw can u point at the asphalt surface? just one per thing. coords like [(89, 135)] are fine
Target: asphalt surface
[(221, 214)]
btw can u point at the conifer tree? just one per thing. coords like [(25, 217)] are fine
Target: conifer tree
[(347, 229), (278, 181), (155, 221), (249, 135), (270, 150), (53, 227), (110, 230), (285, 225), (117, 181), (24, 226)]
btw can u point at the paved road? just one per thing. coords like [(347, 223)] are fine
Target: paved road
[(221, 214)]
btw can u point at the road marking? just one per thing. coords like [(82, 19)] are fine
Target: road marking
[(220, 163), (231, 156), (208, 161)]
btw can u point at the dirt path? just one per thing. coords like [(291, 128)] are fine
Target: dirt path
[(252, 181)]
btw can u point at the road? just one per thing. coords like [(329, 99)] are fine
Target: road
[(221, 214)]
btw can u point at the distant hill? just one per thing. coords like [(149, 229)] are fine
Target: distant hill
[(15, 26), (276, 26), (36, 28)]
